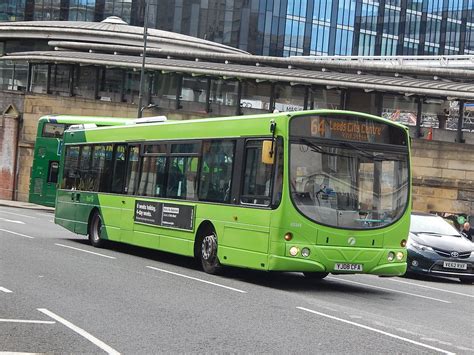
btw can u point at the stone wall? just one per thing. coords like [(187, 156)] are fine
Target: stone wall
[(443, 177), (9, 125)]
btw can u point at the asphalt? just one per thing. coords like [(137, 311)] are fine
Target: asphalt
[(140, 301)]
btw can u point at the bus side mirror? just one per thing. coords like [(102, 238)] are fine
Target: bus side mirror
[(267, 152)]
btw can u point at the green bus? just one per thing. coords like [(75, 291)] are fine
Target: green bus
[(317, 192), (47, 153)]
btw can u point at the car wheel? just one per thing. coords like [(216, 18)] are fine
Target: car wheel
[(95, 231), (208, 252), (315, 275), (466, 281)]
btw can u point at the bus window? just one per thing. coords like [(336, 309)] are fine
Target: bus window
[(53, 130), (216, 171), (257, 176), (86, 182), (118, 176), (155, 149), (102, 166), (70, 168), (132, 171), (152, 178), (182, 176), (53, 172), (185, 148)]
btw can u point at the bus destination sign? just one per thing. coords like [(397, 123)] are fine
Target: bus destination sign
[(347, 127), (351, 129), (161, 214)]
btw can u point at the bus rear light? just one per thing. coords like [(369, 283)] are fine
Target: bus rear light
[(399, 256), (294, 251), (288, 236), (305, 252), (403, 243), (391, 256)]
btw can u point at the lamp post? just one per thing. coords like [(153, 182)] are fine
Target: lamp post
[(142, 73)]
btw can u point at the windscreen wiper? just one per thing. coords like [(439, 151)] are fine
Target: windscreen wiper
[(363, 151), (314, 147)]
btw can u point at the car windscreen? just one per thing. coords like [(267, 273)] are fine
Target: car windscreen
[(431, 225)]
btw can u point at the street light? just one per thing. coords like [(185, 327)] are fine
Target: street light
[(142, 73)]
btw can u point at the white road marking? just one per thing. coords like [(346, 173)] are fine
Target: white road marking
[(85, 251), (12, 221), (377, 331), (389, 289), (432, 288), (80, 331), (27, 321), (17, 214), (196, 279), (21, 235), (6, 290)]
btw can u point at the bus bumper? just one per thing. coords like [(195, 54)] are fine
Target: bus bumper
[(324, 259)]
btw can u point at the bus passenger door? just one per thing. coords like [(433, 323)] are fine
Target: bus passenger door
[(127, 202), (113, 182), (65, 213), (246, 234)]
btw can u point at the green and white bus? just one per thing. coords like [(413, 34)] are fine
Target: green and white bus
[(316, 192), (49, 138)]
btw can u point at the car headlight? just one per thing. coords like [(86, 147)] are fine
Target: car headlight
[(419, 246)]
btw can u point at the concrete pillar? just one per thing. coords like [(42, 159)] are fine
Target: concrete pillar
[(9, 125)]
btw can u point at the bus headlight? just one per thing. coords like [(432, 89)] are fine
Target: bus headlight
[(391, 256), (294, 251), (399, 256), (305, 252)]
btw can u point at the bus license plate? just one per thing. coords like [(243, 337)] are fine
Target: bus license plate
[(454, 265), (348, 267)]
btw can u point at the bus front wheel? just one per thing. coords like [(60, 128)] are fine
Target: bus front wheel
[(315, 275), (207, 252), (95, 230)]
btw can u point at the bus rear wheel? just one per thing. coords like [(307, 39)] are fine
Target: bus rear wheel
[(315, 275), (207, 253), (95, 231)]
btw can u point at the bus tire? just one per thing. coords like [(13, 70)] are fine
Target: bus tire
[(95, 230), (207, 251), (315, 275)]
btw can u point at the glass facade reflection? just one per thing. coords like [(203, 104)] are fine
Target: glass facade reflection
[(285, 27)]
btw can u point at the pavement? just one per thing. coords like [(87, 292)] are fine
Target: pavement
[(26, 205)]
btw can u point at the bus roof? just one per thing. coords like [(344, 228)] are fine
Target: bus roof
[(75, 119), (204, 127)]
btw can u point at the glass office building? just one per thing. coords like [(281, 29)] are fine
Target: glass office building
[(284, 27)]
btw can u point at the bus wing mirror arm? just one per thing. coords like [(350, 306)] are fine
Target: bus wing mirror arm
[(272, 130)]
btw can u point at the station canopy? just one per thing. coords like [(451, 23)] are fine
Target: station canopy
[(113, 43)]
